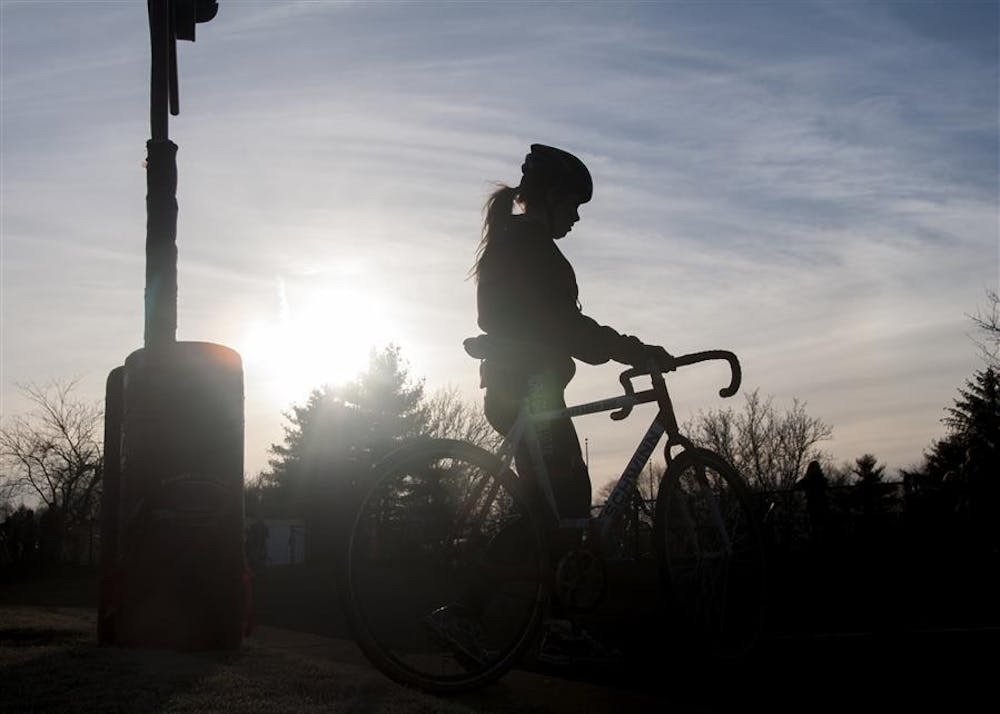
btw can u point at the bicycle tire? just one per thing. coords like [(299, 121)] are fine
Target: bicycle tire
[(711, 556), (428, 551)]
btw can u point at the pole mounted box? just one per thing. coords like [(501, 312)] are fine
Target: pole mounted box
[(173, 571), (188, 13)]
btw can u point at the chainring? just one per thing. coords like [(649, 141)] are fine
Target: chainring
[(581, 579)]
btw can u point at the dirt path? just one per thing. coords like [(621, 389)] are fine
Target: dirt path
[(50, 662)]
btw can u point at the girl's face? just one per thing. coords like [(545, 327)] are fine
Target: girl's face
[(564, 213)]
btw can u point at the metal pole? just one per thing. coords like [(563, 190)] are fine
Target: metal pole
[(160, 309), (160, 40)]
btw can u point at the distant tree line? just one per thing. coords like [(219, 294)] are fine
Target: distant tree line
[(52, 455), (333, 440), (960, 473), (951, 500)]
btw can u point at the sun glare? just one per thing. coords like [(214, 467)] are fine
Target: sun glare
[(324, 340)]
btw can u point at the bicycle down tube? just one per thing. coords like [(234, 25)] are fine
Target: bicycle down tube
[(523, 429)]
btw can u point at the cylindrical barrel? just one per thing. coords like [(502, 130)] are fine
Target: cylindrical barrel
[(180, 536)]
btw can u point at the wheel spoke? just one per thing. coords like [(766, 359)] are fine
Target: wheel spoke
[(443, 527), (711, 555)]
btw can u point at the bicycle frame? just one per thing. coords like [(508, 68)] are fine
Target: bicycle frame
[(665, 422), (471, 541)]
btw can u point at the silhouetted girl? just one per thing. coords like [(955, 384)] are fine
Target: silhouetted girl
[(528, 296), (528, 306)]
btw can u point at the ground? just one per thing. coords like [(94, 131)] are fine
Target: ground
[(300, 659), (49, 661)]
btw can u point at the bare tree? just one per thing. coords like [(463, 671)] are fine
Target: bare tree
[(53, 453), (453, 417), (841, 474), (648, 484), (769, 448), (988, 322)]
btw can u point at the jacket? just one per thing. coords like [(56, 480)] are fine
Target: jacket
[(528, 293)]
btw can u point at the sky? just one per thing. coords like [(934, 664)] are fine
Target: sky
[(812, 185)]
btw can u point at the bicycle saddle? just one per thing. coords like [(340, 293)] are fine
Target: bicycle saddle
[(490, 347), (477, 347)]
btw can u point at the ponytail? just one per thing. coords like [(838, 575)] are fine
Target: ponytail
[(497, 214)]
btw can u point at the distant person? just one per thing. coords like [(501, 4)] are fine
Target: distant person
[(529, 306), (292, 543), (815, 483)]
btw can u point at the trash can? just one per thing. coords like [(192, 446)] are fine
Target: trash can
[(178, 576)]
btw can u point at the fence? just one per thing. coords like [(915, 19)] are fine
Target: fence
[(793, 519)]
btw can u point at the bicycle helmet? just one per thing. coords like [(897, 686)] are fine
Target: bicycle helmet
[(549, 166)]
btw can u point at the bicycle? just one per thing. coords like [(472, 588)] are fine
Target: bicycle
[(427, 528)]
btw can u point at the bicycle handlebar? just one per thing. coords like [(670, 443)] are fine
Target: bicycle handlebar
[(683, 361), (734, 366), (486, 347)]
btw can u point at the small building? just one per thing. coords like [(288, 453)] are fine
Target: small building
[(286, 541)]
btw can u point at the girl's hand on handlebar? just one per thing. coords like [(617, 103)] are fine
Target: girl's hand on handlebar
[(642, 356), (659, 358), (653, 358)]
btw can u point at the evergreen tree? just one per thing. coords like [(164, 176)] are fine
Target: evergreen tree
[(351, 426), (972, 446), (975, 418), (336, 437), (964, 467), (975, 427), (960, 476), (870, 489), (867, 469)]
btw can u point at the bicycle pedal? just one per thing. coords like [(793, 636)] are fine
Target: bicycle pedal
[(460, 635), (561, 646)]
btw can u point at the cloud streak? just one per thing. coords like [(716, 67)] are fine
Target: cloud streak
[(813, 185)]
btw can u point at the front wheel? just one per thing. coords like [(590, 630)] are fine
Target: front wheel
[(444, 543), (711, 555)]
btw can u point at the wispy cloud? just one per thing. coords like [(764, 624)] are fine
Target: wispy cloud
[(812, 184)]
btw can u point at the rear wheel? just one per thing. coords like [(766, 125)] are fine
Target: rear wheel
[(711, 555), (443, 523)]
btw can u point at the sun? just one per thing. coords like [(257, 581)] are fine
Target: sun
[(325, 338)]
